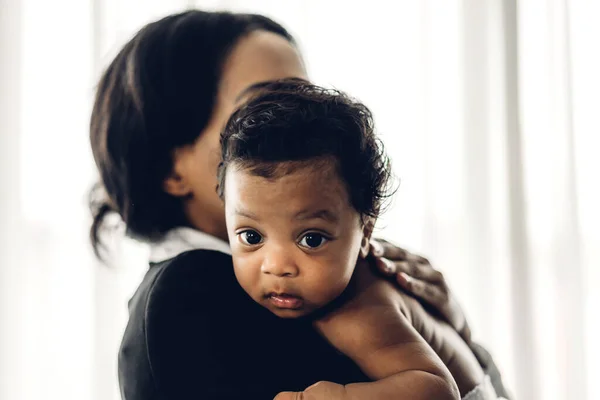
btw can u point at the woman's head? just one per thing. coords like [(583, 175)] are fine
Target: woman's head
[(303, 177), (159, 109)]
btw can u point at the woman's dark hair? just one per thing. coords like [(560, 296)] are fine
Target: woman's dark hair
[(157, 95), (292, 123)]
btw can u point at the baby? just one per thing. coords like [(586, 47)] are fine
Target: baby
[(304, 177)]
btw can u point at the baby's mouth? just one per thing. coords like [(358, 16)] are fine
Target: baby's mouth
[(285, 300)]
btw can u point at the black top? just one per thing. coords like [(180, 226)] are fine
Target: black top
[(193, 333)]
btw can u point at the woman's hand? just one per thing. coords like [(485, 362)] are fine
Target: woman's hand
[(319, 391), (416, 275)]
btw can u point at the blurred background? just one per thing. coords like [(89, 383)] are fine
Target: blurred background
[(489, 109)]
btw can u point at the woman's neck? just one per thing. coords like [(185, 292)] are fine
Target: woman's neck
[(210, 220)]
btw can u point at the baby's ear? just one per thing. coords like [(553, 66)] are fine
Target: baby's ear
[(365, 246)]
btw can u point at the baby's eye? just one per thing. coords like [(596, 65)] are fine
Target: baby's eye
[(250, 237), (313, 240)]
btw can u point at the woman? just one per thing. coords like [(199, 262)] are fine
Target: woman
[(193, 333)]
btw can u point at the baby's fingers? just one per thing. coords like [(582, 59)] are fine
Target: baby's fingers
[(290, 396), (319, 391)]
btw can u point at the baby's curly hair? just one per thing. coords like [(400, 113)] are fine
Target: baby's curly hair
[(291, 123)]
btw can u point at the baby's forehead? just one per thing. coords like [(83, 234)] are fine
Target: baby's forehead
[(321, 173), (317, 179)]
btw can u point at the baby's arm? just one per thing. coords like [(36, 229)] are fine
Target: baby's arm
[(379, 338), (395, 356)]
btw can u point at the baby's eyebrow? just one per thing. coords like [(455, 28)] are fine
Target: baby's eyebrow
[(246, 213), (324, 214)]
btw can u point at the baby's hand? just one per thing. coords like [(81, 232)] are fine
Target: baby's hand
[(319, 391)]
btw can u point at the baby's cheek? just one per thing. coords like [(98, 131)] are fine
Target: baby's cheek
[(247, 273), (332, 285)]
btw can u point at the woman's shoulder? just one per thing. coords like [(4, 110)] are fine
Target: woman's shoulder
[(173, 315), (190, 276), (201, 266), (196, 270)]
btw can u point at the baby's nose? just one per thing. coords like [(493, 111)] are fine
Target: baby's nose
[(280, 263)]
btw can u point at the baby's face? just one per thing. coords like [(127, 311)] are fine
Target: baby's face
[(295, 239)]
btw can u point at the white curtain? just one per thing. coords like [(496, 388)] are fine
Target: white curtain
[(488, 109)]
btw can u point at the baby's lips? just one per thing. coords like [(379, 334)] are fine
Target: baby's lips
[(285, 300)]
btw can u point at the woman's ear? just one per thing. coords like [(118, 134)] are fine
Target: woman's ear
[(176, 184), (365, 245)]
